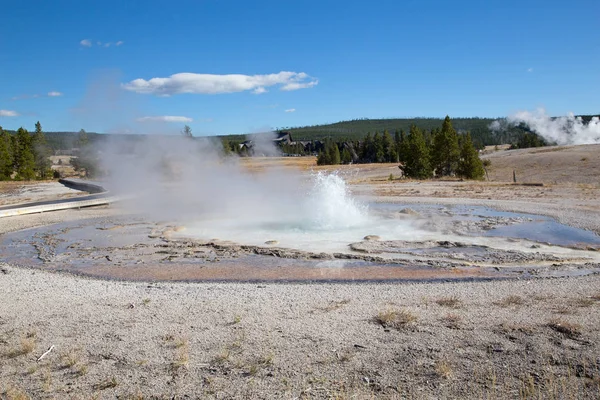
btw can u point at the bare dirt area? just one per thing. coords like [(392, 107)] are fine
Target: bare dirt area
[(432, 335), (26, 192)]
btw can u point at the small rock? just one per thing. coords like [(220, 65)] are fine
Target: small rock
[(271, 242), (372, 237), (409, 211)]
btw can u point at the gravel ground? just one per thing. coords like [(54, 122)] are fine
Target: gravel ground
[(507, 339)]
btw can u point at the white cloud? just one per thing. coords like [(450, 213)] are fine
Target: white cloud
[(8, 113), (529, 69), (165, 118), (86, 43), (289, 110), (107, 44), (120, 42), (299, 85), (54, 94), (215, 84)]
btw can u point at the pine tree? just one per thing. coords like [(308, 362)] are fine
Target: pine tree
[(6, 158), (367, 148), (332, 153), (397, 141), (403, 148), (322, 158), (378, 153), (41, 153), (388, 147), (187, 131), (82, 139), (470, 165), (446, 152), (417, 164), (346, 156), (24, 156)]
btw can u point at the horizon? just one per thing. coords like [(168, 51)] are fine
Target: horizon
[(282, 129), (227, 70)]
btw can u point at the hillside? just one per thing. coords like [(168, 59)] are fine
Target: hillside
[(357, 129), (344, 130)]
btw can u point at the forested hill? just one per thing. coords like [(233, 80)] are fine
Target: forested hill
[(358, 128)]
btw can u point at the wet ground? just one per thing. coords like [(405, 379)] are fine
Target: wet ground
[(399, 242)]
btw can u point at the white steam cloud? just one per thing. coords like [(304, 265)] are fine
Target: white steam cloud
[(290, 110), (54, 94), (216, 84), (190, 182), (165, 118), (564, 130), (179, 178)]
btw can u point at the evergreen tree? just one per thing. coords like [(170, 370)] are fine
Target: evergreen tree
[(187, 131), (335, 154), (346, 156), (397, 142), (417, 163), (446, 152), (378, 152), (388, 147), (323, 158), (403, 148), (6, 158), (24, 156), (470, 165), (226, 146), (366, 148), (82, 138), (41, 153)]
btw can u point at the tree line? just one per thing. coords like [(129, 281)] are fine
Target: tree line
[(24, 155), (422, 153)]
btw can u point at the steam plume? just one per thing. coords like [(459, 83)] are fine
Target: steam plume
[(561, 130)]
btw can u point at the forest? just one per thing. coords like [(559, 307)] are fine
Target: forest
[(24, 155), (417, 143), (422, 154)]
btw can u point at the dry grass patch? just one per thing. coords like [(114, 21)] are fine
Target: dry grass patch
[(69, 358), (512, 300), (262, 361), (15, 393), (397, 319), (516, 327), (584, 302), (332, 306), (106, 384), (443, 369), (452, 321), (182, 356), (26, 346), (565, 327), (564, 309), (449, 301)]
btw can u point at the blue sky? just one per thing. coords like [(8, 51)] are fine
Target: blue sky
[(238, 66)]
